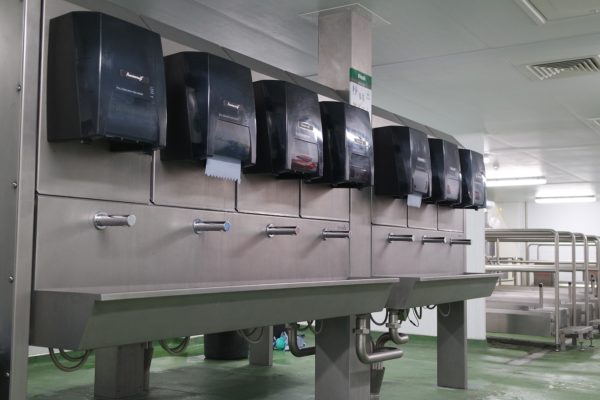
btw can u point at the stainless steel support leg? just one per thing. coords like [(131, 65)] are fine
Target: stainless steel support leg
[(452, 345), (122, 372), (339, 373), (261, 353)]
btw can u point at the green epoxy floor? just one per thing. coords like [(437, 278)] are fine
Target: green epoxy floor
[(494, 373)]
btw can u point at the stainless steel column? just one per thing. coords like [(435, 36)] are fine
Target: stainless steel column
[(122, 372), (20, 24), (339, 375), (452, 345), (261, 353), (345, 41)]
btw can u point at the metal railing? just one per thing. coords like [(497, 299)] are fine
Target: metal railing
[(549, 238)]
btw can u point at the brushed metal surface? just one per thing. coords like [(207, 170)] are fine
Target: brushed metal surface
[(360, 241), (86, 170), (80, 320), (533, 323), (162, 247), (322, 202), (182, 184), (452, 345), (20, 24), (423, 290), (451, 219), (389, 211), (424, 217), (263, 194), (11, 37), (405, 258)]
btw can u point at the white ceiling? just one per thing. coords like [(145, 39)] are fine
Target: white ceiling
[(453, 65)]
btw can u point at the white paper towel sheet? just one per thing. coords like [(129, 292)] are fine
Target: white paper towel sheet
[(224, 168)]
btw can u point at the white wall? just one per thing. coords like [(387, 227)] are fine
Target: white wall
[(580, 218), (583, 218)]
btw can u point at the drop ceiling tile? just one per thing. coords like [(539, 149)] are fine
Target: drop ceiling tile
[(504, 23), (554, 10)]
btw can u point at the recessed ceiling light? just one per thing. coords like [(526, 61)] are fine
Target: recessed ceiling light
[(524, 181), (566, 199), (486, 158)]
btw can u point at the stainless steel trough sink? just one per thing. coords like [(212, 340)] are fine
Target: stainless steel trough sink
[(90, 318), (422, 290)]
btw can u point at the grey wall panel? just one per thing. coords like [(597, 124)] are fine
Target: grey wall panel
[(263, 194), (360, 223), (424, 217), (451, 219), (322, 202), (161, 249), (389, 211), (20, 23), (415, 258), (86, 170), (183, 184)]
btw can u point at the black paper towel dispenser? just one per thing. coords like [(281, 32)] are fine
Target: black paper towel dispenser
[(347, 145), (289, 134), (446, 188), (105, 80), (210, 101), (473, 179), (402, 162)]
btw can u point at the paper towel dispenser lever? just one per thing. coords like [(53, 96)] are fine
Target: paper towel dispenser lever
[(105, 81), (446, 177), (289, 134), (347, 146), (210, 101), (473, 179), (402, 162)]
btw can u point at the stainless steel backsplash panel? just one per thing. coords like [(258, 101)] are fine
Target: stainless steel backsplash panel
[(389, 211), (86, 170), (263, 194), (322, 202), (162, 248), (424, 217), (183, 184), (451, 219), (405, 258)]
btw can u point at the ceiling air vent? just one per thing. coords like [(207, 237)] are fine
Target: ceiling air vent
[(564, 68)]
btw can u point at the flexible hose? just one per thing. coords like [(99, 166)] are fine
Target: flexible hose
[(319, 326), (385, 318), (308, 326), (445, 315), (80, 361), (177, 350), (248, 338)]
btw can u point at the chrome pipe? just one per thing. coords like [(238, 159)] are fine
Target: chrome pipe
[(273, 230), (392, 237), (200, 226), (556, 290), (292, 332), (104, 220), (363, 336), (335, 234), (464, 242), (529, 268), (393, 328), (434, 239)]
